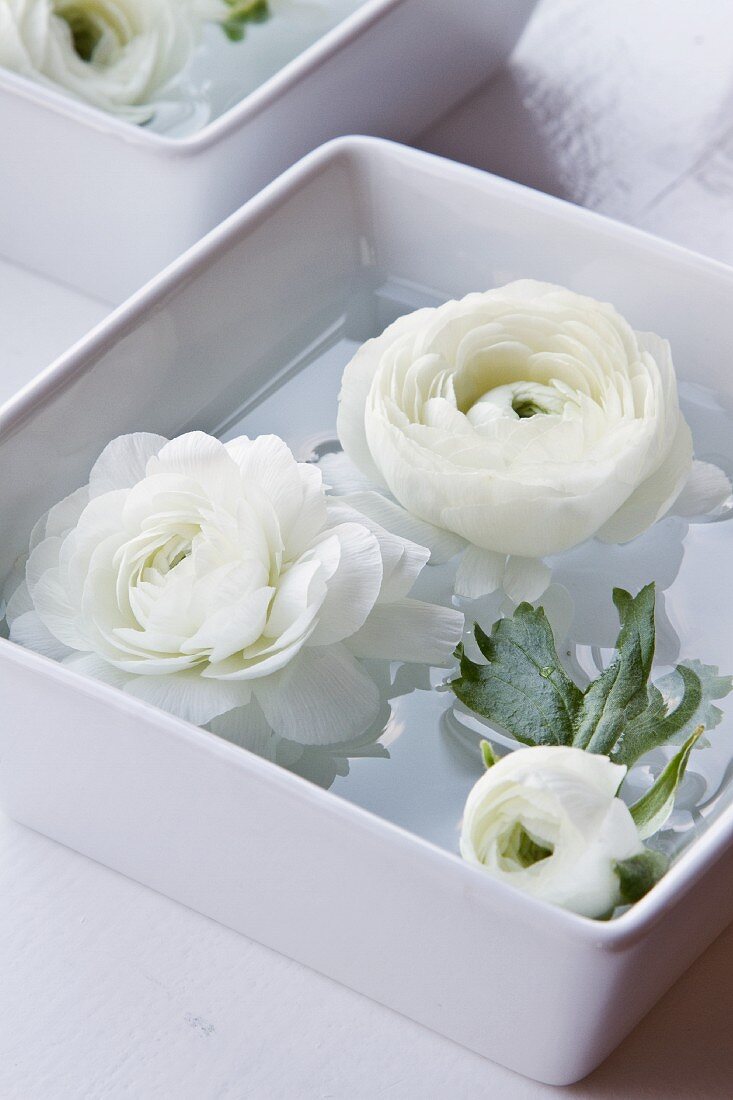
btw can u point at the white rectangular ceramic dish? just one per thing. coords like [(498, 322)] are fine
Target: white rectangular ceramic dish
[(103, 205), (357, 231), (39, 318)]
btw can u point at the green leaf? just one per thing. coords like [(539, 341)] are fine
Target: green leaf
[(684, 700), (523, 687), (713, 686), (653, 809), (243, 12), (233, 31), (638, 874), (488, 755), (621, 691)]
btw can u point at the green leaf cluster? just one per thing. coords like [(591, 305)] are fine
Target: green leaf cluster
[(244, 12), (523, 688)]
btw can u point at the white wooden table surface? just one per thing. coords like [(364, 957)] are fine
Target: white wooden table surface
[(108, 990)]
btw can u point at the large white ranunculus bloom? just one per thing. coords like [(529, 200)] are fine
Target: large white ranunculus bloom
[(200, 576), (547, 820), (523, 420), (113, 54)]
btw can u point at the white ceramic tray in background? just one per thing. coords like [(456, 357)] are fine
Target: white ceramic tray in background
[(103, 205), (306, 266)]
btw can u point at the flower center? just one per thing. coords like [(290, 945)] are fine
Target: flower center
[(524, 408), (518, 848), (89, 24), (170, 554), (518, 401)]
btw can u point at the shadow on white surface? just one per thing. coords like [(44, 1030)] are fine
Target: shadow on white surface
[(623, 107), (682, 1050)]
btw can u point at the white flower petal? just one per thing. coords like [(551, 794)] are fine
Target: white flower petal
[(231, 630), (402, 560), (268, 656), (341, 475), (122, 463), (322, 698), (66, 514), (267, 464), (17, 595), (354, 587), (559, 607), (189, 695), (248, 728), (43, 557), (411, 631), (201, 459), (92, 665), (706, 489), (312, 514), (28, 630), (480, 572), (655, 496), (293, 597), (355, 387), (526, 579), (51, 601), (442, 544)]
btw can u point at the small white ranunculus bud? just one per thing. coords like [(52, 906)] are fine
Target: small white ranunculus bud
[(547, 820)]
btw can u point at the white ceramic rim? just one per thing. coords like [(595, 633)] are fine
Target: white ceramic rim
[(272, 89), (616, 935)]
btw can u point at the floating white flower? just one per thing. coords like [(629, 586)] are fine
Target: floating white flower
[(547, 820), (113, 54), (200, 576), (522, 421)]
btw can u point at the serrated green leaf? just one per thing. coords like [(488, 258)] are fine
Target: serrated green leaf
[(653, 809), (657, 725), (621, 692), (638, 874), (685, 701), (523, 687), (713, 685)]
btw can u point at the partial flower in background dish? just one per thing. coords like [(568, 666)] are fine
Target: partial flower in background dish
[(520, 422), (202, 577), (112, 54)]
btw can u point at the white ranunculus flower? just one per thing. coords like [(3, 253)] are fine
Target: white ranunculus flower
[(200, 576), (547, 820), (113, 54), (524, 421)]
